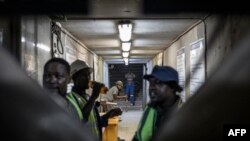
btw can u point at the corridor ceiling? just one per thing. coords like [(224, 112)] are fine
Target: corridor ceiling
[(151, 33)]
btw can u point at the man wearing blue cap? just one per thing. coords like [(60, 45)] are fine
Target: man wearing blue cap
[(163, 85)]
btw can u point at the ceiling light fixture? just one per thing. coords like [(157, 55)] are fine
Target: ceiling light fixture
[(125, 54), (125, 61), (125, 31), (126, 46)]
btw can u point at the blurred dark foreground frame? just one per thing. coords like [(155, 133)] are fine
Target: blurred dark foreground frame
[(28, 113), (223, 100)]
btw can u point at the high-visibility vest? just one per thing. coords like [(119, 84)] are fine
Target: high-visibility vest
[(147, 125), (92, 121), (73, 101)]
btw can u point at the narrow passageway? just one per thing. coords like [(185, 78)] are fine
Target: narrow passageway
[(129, 123)]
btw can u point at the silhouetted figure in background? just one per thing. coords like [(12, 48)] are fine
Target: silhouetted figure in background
[(163, 85), (130, 91), (130, 76), (130, 87), (113, 94)]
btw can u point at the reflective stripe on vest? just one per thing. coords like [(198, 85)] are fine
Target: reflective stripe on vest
[(92, 117), (74, 103)]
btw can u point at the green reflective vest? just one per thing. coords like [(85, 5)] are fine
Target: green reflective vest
[(92, 121), (147, 125), (73, 101)]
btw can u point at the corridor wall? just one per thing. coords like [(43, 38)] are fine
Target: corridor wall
[(36, 47), (220, 33)]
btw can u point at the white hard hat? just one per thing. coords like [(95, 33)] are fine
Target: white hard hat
[(77, 66)]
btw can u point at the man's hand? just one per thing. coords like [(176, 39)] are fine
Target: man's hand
[(114, 112), (122, 97), (125, 98), (103, 102), (96, 90)]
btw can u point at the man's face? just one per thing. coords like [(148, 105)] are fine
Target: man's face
[(119, 87), (55, 78), (82, 79), (159, 92)]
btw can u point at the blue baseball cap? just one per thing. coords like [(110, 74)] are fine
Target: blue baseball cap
[(163, 73)]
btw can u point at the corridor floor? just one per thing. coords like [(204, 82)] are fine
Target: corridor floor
[(129, 123)]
